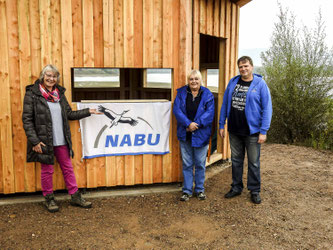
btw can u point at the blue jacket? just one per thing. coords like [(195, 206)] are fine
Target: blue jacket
[(258, 107), (204, 116)]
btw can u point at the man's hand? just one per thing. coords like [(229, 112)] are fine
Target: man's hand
[(262, 138), (193, 126), (38, 148), (222, 133)]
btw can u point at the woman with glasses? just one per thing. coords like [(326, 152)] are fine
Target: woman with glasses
[(46, 113)]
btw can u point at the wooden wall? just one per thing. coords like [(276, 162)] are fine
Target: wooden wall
[(102, 33)]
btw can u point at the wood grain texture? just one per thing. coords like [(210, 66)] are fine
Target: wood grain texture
[(210, 17), (148, 26), (216, 22), (196, 35), (129, 33), (119, 33), (77, 28), (138, 33), (108, 33), (104, 33), (15, 92), (5, 115), (167, 34), (98, 33)]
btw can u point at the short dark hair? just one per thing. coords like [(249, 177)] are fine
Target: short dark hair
[(245, 59)]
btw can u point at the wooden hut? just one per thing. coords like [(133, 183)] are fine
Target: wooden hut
[(131, 35)]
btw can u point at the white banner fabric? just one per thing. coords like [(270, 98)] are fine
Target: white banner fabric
[(125, 129)]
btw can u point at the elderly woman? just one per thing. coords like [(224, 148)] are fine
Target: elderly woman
[(194, 111), (45, 120)]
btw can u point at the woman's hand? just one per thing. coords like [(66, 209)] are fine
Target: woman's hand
[(193, 126), (222, 133), (94, 111), (38, 148)]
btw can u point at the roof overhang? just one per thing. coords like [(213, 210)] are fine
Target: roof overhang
[(241, 3)]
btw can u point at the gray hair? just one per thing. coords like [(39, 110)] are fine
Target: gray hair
[(197, 73), (51, 68)]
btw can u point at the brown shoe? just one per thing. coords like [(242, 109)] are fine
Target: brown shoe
[(50, 203), (77, 200)]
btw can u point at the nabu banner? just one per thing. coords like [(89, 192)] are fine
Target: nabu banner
[(125, 129)]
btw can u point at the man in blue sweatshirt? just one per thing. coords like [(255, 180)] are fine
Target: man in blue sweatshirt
[(247, 106)]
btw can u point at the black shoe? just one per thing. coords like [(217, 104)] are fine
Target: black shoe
[(77, 200), (255, 198), (201, 196), (185, 197), (231, 194), (50, 203)]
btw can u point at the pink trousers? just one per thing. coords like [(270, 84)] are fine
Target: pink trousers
[(62, 155)]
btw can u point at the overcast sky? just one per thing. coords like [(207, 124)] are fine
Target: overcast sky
[(257, 20)]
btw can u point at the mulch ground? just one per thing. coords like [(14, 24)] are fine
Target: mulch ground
[(296, 213)]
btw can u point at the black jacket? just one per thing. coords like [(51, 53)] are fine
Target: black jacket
[(37, 123)]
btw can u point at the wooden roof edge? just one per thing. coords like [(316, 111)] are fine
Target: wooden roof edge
[(241, 3)]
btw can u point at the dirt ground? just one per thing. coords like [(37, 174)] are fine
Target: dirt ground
[(296, 213)]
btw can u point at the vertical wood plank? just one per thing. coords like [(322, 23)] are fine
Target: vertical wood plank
[(111, 171), (237, 13), (45, 32), (216, 28), (129, 33), (77, 33), (147, 169), (5, 120), (99, 162), (120, 161), (148, 26), (56, 52), (227, 18), (158, 169), (35, 46), (232, 40), (138, 34), (98, 33), (157, 34), (196, 34), (185, 50), (25, 78), (119, 33), (100, 171), (129, 170), (67, 46), (221, 87), (108, 34), (167, 34), (35, 50), (167, 168), (210, 17), (56, 59), (15, 92), (176, 163), (223, 19), (88, 33), (227, 78), (203, 13), (138, 169), (88, 61)]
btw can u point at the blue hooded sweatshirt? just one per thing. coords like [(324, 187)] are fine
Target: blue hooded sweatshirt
[(258, 107), (204, 116)]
